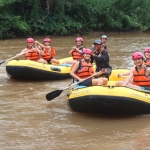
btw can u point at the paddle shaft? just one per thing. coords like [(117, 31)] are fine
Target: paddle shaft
[(97, 73), (82, 81), (15, 57), (56, 93)]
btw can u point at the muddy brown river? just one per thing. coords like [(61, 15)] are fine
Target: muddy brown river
[(29, 122)]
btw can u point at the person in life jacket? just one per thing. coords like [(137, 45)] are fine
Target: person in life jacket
[(83, 69), (146, 61), (76, 51), (101, 58), (31, 53), (147, 56), (49, 51), (140, 74)]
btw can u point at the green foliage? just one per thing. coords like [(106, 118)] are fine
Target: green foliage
[(131, 14), (11, 26), (64, 17), (6, 2)]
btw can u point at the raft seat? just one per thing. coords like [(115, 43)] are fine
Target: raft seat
[(67, 65), (79, 87)]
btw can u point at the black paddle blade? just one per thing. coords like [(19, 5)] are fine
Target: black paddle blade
[(2, 62), (53, 94)]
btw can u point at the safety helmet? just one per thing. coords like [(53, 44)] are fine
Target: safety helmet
[(79, 39), (104, 37), (86, 51), (30, 40), (97, 42), (47, 40), (137, 55), (147, 49)]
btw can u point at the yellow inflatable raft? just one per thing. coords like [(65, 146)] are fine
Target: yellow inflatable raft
[(26, 69), (109, 99)]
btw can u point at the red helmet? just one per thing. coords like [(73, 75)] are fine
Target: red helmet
[(30, 40), (137, 55), (47, 40), (79, 39), (87, 51), (147, 49)]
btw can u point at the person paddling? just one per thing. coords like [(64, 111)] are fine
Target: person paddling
[(49, 51), (31, 53), (83, 69), (76, 51)]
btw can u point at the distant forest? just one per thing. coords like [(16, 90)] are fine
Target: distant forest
[(22, 18)]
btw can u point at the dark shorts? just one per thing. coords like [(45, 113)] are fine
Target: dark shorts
[(87, 82), (145, 88), (49, 61)]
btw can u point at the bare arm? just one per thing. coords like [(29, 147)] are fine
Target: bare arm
[(148, 72), (36, 42), (40, 51), (129, 78), (76, 66), (74, 48), (74, 69), (22, 52), (126, 73), (38, 48)]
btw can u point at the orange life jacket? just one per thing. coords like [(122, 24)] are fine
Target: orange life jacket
[(32, 55), (148, 63), (76, 55), (140, 79), (47, 54), (85, 69)]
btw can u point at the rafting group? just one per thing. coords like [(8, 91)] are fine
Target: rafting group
[(83, 58)]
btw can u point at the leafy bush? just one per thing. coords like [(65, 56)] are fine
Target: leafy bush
[(64, 17)]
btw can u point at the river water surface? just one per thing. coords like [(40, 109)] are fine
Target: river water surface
[(29, 121)]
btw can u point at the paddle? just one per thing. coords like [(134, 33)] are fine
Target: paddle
[(14, 57), (7, 60), (56, 93)]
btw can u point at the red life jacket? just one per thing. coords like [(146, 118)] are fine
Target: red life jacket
[(140, 79), (32, 55), (85, 69), (47, 54), (76, 55)]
